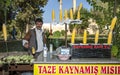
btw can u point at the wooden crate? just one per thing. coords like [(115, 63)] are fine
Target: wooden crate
[(1, 69), (20, 67)]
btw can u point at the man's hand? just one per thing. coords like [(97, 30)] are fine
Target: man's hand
[(26, 45)]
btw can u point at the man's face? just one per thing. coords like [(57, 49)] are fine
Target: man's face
[(39, 25)]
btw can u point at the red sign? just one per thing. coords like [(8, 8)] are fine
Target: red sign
[(91, 46)]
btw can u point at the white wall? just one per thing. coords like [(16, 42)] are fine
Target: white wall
[(56, 27)]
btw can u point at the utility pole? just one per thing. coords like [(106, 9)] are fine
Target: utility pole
[(115, 29), (60, 9), (74, 6), (115, 5), (5, 12), (60, 4)]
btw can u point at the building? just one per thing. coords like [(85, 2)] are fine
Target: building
[(55, 27)]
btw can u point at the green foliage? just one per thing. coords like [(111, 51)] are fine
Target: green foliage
[(15, 45), (107, 9), (118, 1), (57, 34), (63, 32), (114, 50), (4, 10), (102, 12), (118, 55), (116, 38), (27, 11), (47, 33), (84, 16)]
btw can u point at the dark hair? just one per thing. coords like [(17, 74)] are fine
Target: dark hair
[(38, 20)]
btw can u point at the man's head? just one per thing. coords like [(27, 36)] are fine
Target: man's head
[(39, 23)]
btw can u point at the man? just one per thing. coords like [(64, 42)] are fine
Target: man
[(14, 33), (35, 38)]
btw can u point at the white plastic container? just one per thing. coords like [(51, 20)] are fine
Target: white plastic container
[(45, 52), (51, 48)]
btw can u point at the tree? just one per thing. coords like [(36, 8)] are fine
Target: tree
[(27, 11), (84, 16), (111, 9), (22, 11), (4, 11)]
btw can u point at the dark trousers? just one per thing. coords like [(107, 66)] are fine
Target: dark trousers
[(38, 56)]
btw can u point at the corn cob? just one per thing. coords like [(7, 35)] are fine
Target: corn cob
[(33, 50), (73, 36), (4, 32), (66, 15), (96, 36), (109, 37), (113, 23), (85, 37), (53, 15), (71, 14), (78, 15), (60, 17), (80, 6)]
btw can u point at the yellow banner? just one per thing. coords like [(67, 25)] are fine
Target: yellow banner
[(76, 69)]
